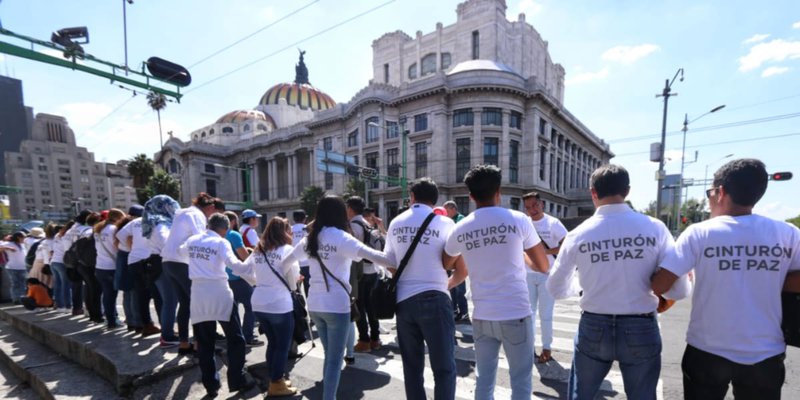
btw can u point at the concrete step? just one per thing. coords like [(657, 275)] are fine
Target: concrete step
[(44, 373), (125, 360)]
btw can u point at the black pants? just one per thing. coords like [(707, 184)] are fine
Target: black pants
[(706, 376), (143, 284), (306, 278), (92, 292), (365, 285)]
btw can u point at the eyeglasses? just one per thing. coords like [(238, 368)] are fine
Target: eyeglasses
[(710, 192)]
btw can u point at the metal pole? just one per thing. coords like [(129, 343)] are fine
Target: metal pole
[(678, 193), (660, 177), (125, 31), (366, 191), (404, 179)]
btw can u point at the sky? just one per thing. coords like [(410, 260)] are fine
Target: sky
[(617, 55)]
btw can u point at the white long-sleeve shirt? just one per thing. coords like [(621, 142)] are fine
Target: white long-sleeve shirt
[(187, 222), (271, 295), (106, 252)]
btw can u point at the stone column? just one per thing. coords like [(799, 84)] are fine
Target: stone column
[(254, 184), (504, 150), (477, 143), (292, 176), (273, 179)]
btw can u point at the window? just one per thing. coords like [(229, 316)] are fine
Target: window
[(203, 134), (490, 154), (246, 128), (412, 71), (211, 187), (63, 162), (463, 117), (428, 64), (63, 170), (42, 167), (420, 122), (227, 129), (513, 161), (421, 159), (328, 180), (515, 203), (210, 169), (462, 204), (552, 172), (445, 61), (475, 45), (211, 132), (392, 165), (45, 193), (373, 130), (261, 127), (327, 143), (385, 73), (542, 158), (173, 166), (84, 172), (492, 116), (352, 139), (392, 129), (371, 161), (463, 154), (515, 120)]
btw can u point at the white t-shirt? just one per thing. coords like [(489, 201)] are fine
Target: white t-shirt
[(740, 265), (142, 247), (249, 233), (551, 231), (58, 250), (617, 251), (492, 240), (106, 252), (123, 235), (187, 222), (44, 251), (208, 254), (16, 258), (424, 270), (298, 233), (338, 249), (270, 294)]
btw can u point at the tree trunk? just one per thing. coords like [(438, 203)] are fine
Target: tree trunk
[(160, 135)]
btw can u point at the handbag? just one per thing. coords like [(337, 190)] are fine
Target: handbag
[(791, 318), (47, 270), (298, 307), (384, 295), (354, 314)]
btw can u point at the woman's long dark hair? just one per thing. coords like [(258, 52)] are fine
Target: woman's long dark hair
[(332, 212)]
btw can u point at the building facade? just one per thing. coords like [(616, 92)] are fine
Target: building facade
[(482, 90), (57, 177), (15, 119)]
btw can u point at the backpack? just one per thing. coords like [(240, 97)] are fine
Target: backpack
[(30, 256), (372, 239), (82, 252)]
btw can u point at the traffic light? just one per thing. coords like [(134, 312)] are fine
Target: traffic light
[(168, 71), (780, 176)]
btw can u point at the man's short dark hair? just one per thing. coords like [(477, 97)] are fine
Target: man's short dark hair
[(610, 180), (356, 204), (299, 216), (745, 180), (531, 195), (425, 191), (368, 211), (483, 181)]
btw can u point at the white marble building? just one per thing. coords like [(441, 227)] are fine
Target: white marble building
[(482, 90)]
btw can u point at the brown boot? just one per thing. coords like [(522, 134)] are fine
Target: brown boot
[(362, 347), (150, 329), (375, 344), (280, 388)]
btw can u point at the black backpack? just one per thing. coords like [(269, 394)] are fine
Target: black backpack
[(30, 256), (81, 252)]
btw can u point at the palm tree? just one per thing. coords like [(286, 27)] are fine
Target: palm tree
[(141, 169), (157, 102)]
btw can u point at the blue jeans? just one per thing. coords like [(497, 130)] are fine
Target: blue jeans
[(633, 341), (279, 329), (543, 302), (427, 317), (109, 294), (178, 274), (333, 329), (242, 291), (459, 294), (205, 333), (516, 336), (131, 309), (16, 278), (169, 304), (62, 287)]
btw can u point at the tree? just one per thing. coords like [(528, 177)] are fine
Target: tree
[(164, 183), (692, 211), (354, 187), (309, 199), (650, 210), (157, 102), (794, 221), (141, 169)]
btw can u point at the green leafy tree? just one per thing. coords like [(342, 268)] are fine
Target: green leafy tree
[(794, 221), (164, 183), (309, 199), (141, 169), (650, 210), (354, 187), (692, 211)]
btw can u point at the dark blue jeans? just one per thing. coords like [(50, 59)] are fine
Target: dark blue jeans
[(205, 333), (278, 328), (242, 291), (427, 318), (459, 294), (633, 341), (109, 294), (178, 274)]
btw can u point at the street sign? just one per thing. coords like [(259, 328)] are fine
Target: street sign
[(332, 162), (369, 173)]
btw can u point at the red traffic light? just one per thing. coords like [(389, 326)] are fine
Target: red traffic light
[(780, 176)]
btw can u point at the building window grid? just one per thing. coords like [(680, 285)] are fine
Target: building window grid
[(412, 71), (392, 129), (352, 139), (463, 154), (515, 120), (515, 203), (513, 161), (420, 122), (446, 60), (475, 45), (490, 151), (492, 116), (542, 160), (392, 165), (428, 64), (327, 144), (462, 204), (373, 130), (371, 161), (463, 117), (421, 159)]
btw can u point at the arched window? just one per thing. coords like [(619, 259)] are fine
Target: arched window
[(203, 134), (246, 128), (428, 64), (211, 132), (261, 127), (173, 166), (412, 71), (227, 129), (445, 61)]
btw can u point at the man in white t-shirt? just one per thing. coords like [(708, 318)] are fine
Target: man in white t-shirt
[(424, 308), (552, 233), (249, 228), (741, 262), (617, 251), (492, 240)]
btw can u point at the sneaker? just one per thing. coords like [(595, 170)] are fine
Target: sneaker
[(254, 343), (375, 344), (186, 351), (150, 330), (167, 343), (362, 347), (349, 360)]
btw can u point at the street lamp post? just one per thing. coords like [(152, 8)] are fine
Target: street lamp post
[(666, 94)]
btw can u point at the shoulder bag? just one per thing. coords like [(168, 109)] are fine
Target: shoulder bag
[(384, 294), (791, 318), (298, 307)]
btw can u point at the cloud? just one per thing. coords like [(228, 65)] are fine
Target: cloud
[(758, 37), (629, 54), (584, 77), (774, 50), (773, 71), (530, 7), (83, 115), (776, 210), (796, 25)]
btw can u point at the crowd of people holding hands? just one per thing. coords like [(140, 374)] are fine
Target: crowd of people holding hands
[(200, 263)]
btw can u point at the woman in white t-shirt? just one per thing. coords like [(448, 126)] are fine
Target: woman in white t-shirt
[(106, 266), (276, 272), (15, 268), (44, 252), (330, 249), (62, 287)]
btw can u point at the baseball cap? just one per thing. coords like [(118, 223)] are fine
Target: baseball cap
[(250, 214)]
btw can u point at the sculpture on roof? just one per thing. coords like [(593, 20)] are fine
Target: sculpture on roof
[(301, 71)]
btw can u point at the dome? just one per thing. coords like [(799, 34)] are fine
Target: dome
[(235, 117), (298, 94)]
